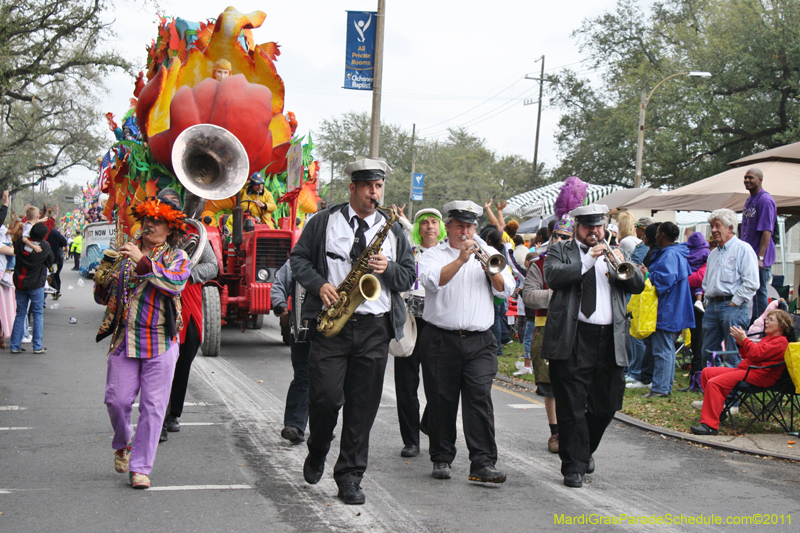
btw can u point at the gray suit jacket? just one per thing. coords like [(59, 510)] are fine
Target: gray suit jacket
[(562, 272)]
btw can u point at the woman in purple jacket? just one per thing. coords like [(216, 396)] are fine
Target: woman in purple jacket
[(669, 272)]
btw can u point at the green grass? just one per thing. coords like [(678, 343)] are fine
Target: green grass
[(675, 412)]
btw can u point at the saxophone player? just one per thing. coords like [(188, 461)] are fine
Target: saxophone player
[(347, 369), (461, 356)]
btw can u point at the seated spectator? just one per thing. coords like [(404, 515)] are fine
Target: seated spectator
[(718, 382), (669, 272)]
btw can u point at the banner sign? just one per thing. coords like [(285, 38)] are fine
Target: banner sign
[(359, 63), (416, 187)]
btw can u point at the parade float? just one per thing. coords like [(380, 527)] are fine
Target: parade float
[(208, 114)]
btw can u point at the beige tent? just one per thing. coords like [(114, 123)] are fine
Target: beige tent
[(781, 168)]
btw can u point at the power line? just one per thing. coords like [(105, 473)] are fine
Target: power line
[(474, 107), (492, 112)]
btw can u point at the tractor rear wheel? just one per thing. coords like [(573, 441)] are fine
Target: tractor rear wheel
[(212, 321)]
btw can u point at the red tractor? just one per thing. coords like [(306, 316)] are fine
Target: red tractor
[(248, 265)]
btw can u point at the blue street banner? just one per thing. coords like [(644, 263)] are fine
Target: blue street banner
[(359, 63), (416, 187)]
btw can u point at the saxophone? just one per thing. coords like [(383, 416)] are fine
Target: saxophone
[(111, 263), (359, 285)]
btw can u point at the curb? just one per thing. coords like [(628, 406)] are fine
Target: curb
[(629, 420)]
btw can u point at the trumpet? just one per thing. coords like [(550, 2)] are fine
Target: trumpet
[(491, 260), (623, 269)]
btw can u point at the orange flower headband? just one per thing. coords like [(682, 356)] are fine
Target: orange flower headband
[(159, 209)]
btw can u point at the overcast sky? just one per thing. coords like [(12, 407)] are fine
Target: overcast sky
[(446, 63)]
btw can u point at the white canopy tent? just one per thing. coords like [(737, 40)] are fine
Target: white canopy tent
[(540, 201)]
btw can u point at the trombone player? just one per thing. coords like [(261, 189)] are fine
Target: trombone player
[(461, 356), (347, 369), (585, 337)]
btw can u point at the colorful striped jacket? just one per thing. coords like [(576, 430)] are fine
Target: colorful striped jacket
[(149, 323)]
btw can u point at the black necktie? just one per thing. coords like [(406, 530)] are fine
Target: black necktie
[(360, 242), (589, 293)]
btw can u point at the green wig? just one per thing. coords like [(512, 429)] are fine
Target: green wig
[(417, 238)]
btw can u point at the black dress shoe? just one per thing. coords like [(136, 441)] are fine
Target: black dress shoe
[(703, 429), (487, 474), (590, 468), (574, 480), (441, 470), (172, 424), (652, 394), (411, 450), (312, 470), (293, 434), (351, 494), (164, 437)]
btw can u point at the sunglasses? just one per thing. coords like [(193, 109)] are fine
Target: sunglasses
[(561, 236)]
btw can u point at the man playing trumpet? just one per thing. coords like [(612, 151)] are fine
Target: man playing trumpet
[(585, 337), (461, 350)]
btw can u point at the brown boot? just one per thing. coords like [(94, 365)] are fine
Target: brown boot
[(552, 443)]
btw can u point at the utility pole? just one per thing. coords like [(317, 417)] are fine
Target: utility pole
[(538, 119), (377, 82), (540, 79)]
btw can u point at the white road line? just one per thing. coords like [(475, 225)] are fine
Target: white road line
[(525, 406), (185, 404), (201, 487), (12, 408), (14, 428), (261, 413), (194, 424)]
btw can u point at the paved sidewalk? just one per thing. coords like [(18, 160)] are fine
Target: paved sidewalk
[(761, 444)]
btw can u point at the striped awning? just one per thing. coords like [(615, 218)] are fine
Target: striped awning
[(539, 202)]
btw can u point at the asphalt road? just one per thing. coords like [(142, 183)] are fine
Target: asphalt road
[(229, 470)]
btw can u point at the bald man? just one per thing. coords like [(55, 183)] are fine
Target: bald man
[(758, 221)]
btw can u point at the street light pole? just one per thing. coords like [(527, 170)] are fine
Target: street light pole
[(637, 182)]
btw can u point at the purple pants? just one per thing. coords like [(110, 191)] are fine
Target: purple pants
[(126, 377)]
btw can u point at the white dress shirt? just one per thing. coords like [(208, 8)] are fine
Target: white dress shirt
[(602, 313), (467, 301), (338, 243)]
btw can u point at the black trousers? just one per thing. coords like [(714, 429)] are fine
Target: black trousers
[(77, 257), (697, 343), (406, 383), (460, 366), (588, 387), (296, 411), (347, 371), (180, 380), (56, 276)]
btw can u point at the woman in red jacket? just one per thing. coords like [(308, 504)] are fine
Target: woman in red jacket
[(719, 381)]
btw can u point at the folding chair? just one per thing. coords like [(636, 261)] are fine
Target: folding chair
[(763, 402), (766, 402)]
